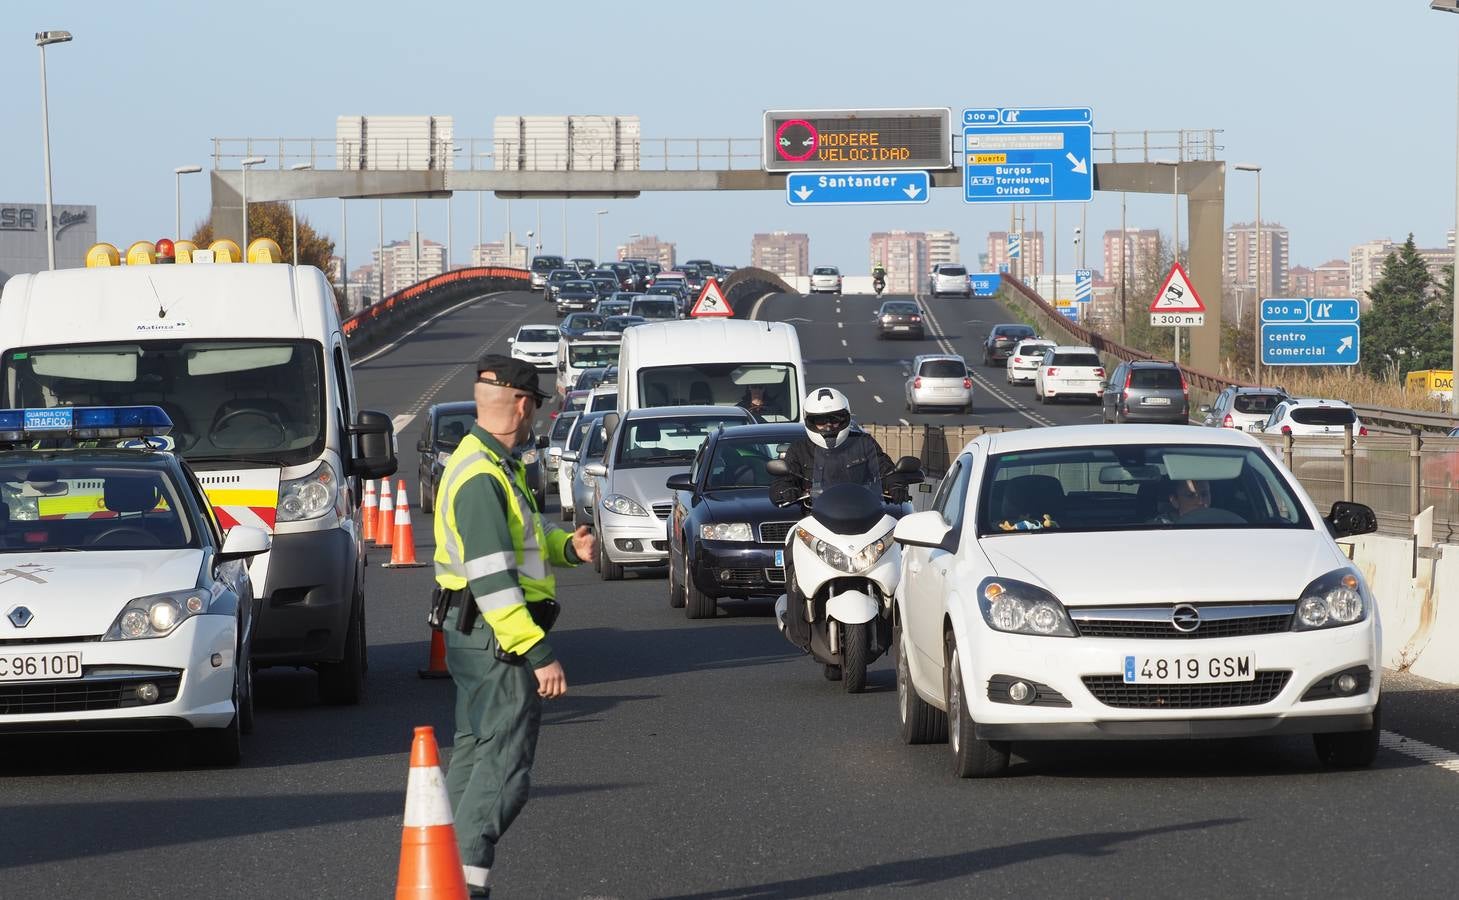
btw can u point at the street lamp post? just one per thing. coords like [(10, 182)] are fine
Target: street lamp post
[(598, 215), (1256, 301), (42, 40), (177, 174), (247, 164), (1452, 6), (294, 211), (1175, 194)]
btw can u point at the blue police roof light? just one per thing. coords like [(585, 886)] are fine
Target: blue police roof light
[(83, 422)]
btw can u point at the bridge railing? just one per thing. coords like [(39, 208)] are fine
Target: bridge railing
[(390, 316), (1399, 476)]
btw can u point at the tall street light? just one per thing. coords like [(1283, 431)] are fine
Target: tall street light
[(42, 39), (1452, 6), (1256, 302), (598, 215), (247, 164), (177, 174), (294, 210), (1175, 193)]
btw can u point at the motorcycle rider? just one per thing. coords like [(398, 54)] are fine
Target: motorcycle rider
[(879, 278), (832, 452)]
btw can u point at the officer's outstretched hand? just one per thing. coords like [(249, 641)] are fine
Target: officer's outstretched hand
[(584, 544), (551, 681)]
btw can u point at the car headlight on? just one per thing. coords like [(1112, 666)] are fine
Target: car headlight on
[(1335, 599), (851, 563), (623, 506), (309, 497), (1021, 608), (157, 615), (726, 531)]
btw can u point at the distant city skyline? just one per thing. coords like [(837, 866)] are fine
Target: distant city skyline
[(114, 144)]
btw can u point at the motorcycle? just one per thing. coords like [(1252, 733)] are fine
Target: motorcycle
[(878, 284), (846, 567)]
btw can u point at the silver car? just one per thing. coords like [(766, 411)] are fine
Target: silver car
[(594, 445), (1242, 408), (631, 500), (557, 441), (939, 379), (825, 280), (567, 461), (949, 278)]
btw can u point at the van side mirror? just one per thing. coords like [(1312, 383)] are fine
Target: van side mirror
[(1347, 519), (376, 434)]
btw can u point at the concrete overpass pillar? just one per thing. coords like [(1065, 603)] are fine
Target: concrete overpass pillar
[(227, 208)]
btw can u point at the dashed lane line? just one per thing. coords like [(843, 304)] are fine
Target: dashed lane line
[(1443, 758), (861, 378), (876, 398), (903, 422), (987, 385)]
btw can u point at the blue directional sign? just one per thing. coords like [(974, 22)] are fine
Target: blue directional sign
[(1083, 285), (986, 284), (1310, 331), (1015, 244), (1003, 268), (1070, 312), (1028, 155), (855, 188)]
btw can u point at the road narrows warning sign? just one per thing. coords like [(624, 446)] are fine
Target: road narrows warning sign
[(711, 303)]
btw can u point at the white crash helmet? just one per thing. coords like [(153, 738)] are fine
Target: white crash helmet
[(827, 417)]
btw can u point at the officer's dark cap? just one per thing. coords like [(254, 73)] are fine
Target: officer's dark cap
[(511, 373)]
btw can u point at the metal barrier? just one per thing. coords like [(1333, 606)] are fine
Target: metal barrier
[(385, 319), (1399, 476)]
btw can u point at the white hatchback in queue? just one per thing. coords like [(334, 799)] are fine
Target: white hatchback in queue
[(1023, 362), (1021, 615), (1069, 372)]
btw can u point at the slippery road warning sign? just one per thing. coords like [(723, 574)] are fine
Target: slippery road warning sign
[(1177, 303), (711, 302)]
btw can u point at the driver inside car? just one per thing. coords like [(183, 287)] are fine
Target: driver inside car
[(1185, 497)]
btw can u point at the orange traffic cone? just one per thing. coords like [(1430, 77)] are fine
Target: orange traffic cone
[(402, 553), (436, 666), (369, 511), (385, 522), (430, 864)]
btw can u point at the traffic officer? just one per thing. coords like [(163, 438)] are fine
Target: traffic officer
[(492, 553)]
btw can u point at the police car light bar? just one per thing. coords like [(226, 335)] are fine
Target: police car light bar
[(83, 422)]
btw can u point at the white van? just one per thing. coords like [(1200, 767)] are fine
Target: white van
[(576, 354), (712, 362), (249, 363)]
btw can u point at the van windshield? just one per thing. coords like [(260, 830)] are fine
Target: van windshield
[(582, 356), (724, 384), (246, 401)]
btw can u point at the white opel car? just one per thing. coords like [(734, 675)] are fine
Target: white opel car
[(1054, 592), (1066, 372), (1313, 416), (125, 608), (536, 344)]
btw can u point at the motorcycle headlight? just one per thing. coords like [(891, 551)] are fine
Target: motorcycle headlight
[(1020, 608), (157, 615), (1337, 598), (726, 531), (623, 506), (853, 563), (309, 497)]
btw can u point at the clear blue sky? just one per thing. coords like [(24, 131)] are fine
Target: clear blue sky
[(1349, 106)]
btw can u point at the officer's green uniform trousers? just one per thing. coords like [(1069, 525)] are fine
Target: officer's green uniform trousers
[(491, 539)]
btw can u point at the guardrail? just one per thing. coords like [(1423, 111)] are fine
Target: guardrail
[(386, 318), (1399, 476), (1206, 385)]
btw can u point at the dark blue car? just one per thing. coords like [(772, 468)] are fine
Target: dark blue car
[(726, 539)]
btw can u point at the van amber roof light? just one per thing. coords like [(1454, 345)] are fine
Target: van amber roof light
[(184, 250), (264, 250), (141, 253), (99, 255), (226, 251)]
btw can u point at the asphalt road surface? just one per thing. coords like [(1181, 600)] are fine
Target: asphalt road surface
[(706, 759)]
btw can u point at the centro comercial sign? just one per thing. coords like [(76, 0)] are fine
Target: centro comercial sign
[(850, 139)]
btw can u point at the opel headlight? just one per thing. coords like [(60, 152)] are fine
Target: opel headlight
[(1337, 598), (623, 506), (1020, 608), (309, 497), (726, 531), (157, 615), (852, 563)]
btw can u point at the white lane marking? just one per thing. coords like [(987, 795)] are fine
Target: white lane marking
[(843, 342), (850, 360), (399, 422), (397, 342), (861, 378), (876, 398), (755, 310), (987, 385), (840, 324), (1429, 753)]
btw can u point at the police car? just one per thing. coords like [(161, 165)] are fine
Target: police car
[(123, 606)]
